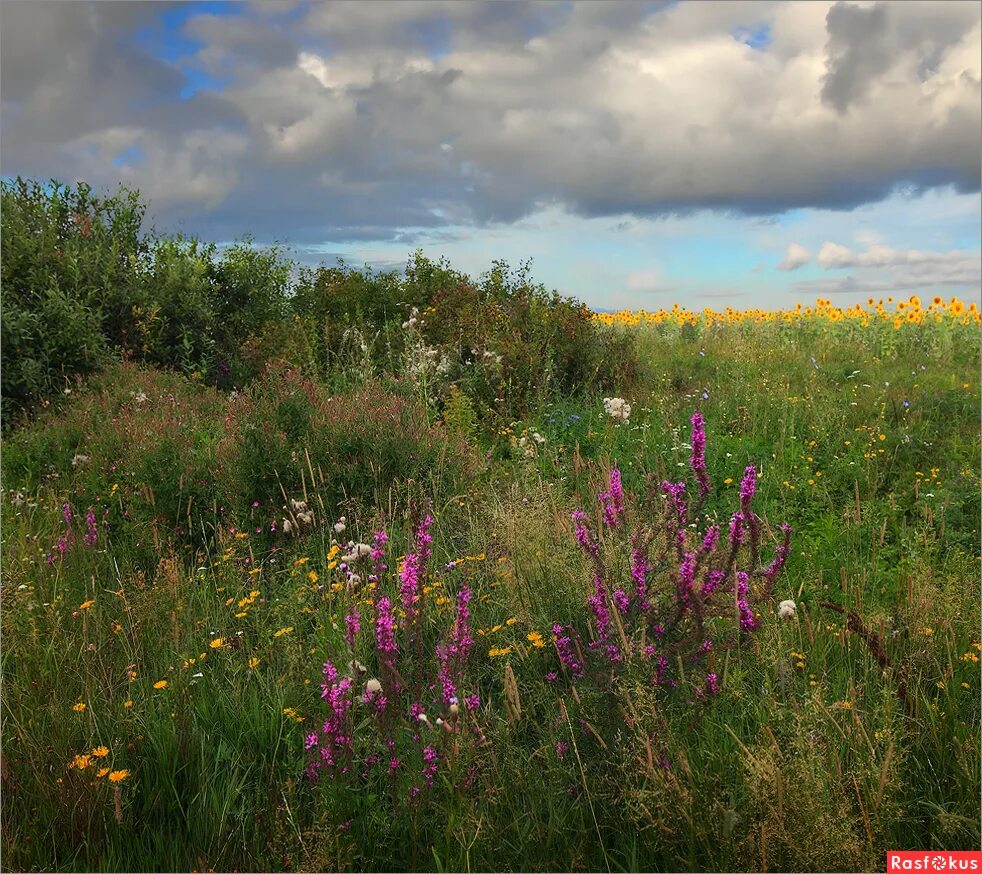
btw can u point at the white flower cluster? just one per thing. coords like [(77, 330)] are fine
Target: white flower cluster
[(618, 409), (303, 515), (528, 443), (355, 552), (488, 357), (412, 321), (78, 460), (787, 609)]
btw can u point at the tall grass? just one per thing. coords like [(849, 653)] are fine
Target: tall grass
[(832, 739)]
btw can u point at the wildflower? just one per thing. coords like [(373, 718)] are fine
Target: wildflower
[(413, 570), (128, 703), (373, 687), (100, 752), (748, 621), (91, 536), (582, 533), (118, 776), (160, 684), (283, 631), (613, 500), (618, 409), (564, 649), (102, 772), (786, 609), (85, 605), (712, 684), (217, 643), (598, 604), (697, 460), (81, 762), (79, 708)]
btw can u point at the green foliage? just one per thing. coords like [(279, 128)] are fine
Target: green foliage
[(70, 263)]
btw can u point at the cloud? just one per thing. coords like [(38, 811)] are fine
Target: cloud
[(337, 121), (883, 269), (835, 255), (795, 257), (647, 281)]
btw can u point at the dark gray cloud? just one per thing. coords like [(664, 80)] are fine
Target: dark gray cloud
[(390, 121)]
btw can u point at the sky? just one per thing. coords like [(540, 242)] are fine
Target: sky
[(744, 154)]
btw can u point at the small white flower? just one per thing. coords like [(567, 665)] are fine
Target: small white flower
[(786, 609), (339, 527), (79, 459), (373, 687), (197, 675)]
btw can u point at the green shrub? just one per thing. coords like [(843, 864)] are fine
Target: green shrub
[(291, 439), (71, 262)]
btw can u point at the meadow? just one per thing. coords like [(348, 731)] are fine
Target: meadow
[(430, 573)]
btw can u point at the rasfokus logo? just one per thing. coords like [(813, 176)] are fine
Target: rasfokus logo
[(919, 860)]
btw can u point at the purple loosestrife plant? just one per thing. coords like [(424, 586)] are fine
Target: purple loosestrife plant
[(697, 461), (418, 707), (413, 570), (612, 501), (682, 615)]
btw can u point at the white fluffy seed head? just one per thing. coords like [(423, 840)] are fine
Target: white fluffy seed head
[(787, 609)]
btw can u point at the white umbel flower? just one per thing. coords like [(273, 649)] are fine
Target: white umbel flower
[(618, 409), (787, 609)]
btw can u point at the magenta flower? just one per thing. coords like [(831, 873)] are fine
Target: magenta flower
[(697, 460), (582, 533), (413, 570), (613, 500)]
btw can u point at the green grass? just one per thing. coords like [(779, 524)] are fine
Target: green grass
[(818, 767)]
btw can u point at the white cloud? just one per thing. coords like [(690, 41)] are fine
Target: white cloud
[(835, 255), (796, 256), (644, 281)]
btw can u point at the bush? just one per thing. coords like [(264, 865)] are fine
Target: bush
[(290, 439), (71, 262)]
